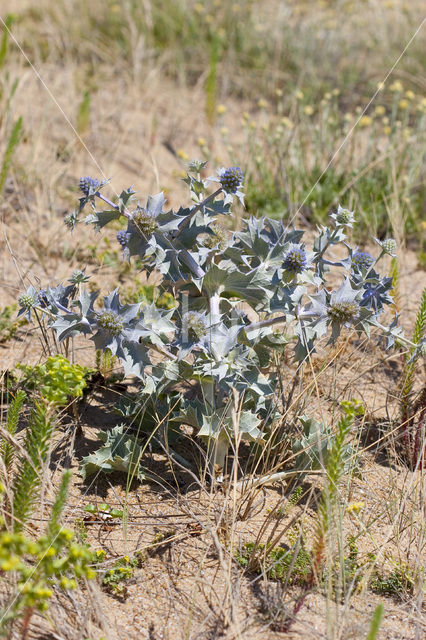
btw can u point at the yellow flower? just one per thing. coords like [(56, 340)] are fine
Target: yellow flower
[(262, 104), (198, 7), (182, 154), (287, 122), (299, 95), (387, 130), (365, 121), (327, 96), (380, 110), (278, 93), (308, 109), (10, 564), (410, 95), (385, 120), (396, 87), (202, 142), (224, 131), (336, 92), (403, 104), (221, 109), (355, 507), (348, 117)]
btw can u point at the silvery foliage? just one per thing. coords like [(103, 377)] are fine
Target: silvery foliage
[(240, 297)]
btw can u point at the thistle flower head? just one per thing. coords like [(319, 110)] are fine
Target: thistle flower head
[(71, 220), (343, 217), (388, 246), (78, 277), (27, 301), (145, 222), (196, 166), (231, 179), (110, 322), (89, 185), (219, 237), (295, 260), (194, 326), (362, 260), (344, 311), (122, 238)]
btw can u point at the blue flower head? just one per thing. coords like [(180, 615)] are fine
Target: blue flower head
[(295, 260), (89, 186), (362, 261), (122, 238), (231, 179)]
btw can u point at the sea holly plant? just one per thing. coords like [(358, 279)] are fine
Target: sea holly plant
[(239, 297)]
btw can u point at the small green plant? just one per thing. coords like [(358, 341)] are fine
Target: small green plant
[(327, 507), (413, 411), (7, 449), (104, 509), (30, 464), (105, 362), (114, 580), (396, 582), (57, 380), (150, 293), (39, 566), (277, 563)]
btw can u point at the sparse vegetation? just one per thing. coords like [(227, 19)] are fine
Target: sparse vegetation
[(241, 453)]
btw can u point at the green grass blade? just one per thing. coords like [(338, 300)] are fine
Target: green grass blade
[(8, 154), (376, 621)]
